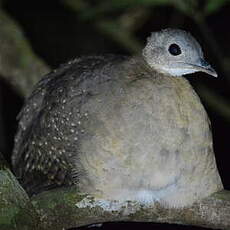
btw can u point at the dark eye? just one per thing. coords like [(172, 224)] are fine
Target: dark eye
[(174, 49)]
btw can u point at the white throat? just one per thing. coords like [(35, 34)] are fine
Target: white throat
[(176, 72)]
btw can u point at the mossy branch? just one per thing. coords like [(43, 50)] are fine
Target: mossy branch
[(16, 210), (65, 208)]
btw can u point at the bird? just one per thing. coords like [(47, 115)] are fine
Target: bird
[(121, 128)]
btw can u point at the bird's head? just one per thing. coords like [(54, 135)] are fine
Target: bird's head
[(176, 53)]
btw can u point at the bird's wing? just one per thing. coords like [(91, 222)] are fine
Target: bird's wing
[(49, 127)]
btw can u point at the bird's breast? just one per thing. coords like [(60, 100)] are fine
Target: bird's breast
[(136, 136)]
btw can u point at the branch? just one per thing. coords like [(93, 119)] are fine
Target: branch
[(65, 208), (19, 66), (16, 210)]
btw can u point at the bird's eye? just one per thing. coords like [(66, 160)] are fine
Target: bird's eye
[(174, 49)]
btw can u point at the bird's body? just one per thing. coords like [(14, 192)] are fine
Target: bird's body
[(120, 130)]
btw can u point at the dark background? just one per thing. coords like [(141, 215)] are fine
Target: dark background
[(62, 30)]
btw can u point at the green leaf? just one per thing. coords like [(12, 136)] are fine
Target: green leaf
[(214, 5)]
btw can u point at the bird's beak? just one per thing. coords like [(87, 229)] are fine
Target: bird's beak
[(200, 65), (204, 66)]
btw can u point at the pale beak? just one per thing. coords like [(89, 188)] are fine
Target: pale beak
[(206, 67), (203, 66), (200, 65)]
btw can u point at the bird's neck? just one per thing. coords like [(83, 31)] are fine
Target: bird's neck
[(137, 68)]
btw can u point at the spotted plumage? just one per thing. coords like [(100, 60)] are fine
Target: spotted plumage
[(50, 125)]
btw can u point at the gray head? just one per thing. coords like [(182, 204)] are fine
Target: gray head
[(175, 52)]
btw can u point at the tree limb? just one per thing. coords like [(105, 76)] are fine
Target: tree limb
[(65, 208), (19, 66), (16, 210)]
